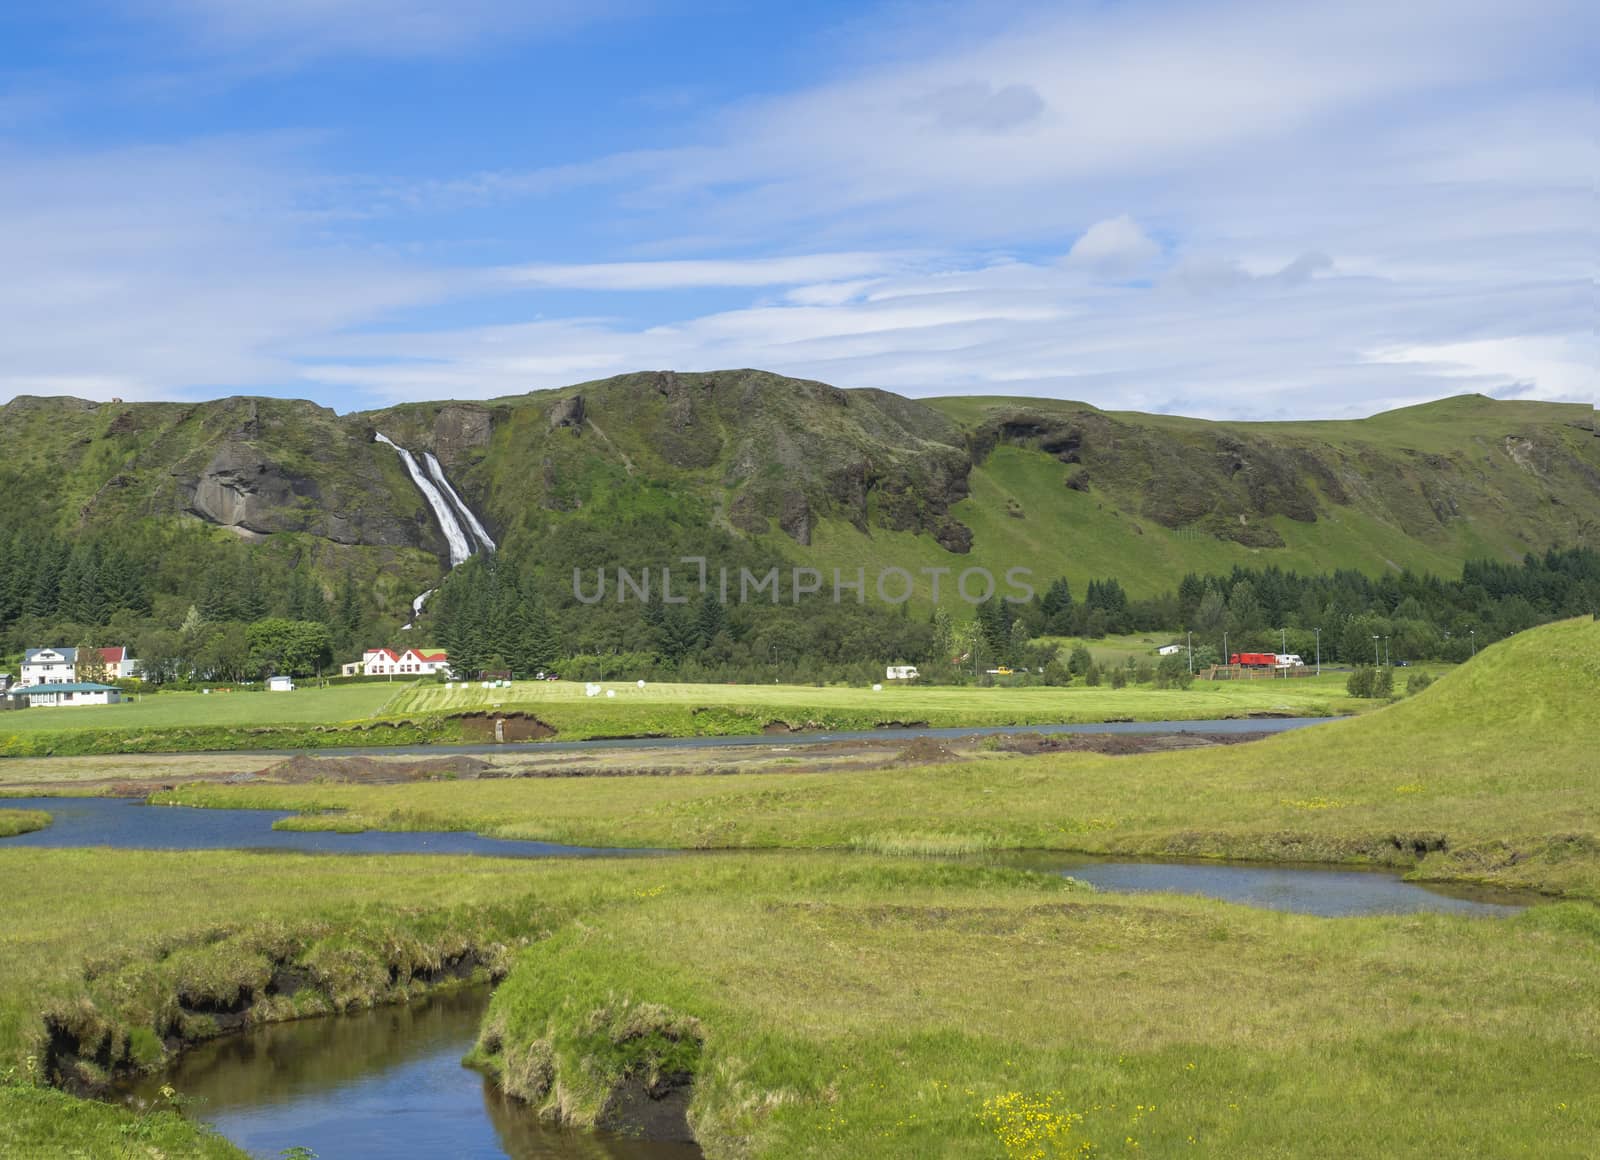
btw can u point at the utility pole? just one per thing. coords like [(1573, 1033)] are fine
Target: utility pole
[(1225, 658), (1473, 634), (1191, 653), (1375, 661), (1386, 652)]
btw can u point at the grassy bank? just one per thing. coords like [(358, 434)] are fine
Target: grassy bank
[(1490, 775), (110, 960), (834, 1006), (13, 822), (953, 1019)]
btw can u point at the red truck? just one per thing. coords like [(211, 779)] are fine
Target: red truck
[(1254, 660)]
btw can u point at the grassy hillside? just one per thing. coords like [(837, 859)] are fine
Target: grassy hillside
[(746, 462)]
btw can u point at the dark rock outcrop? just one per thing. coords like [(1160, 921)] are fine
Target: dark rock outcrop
[(568, 413)]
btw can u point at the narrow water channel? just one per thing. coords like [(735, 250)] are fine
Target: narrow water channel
[(1302, 889), (385, 1084), (1305, 889)]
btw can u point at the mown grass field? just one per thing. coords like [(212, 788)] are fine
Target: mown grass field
[(1491, 774), (305, 706), (903, 703), (421, 712)]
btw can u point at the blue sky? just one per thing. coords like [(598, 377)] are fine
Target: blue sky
[(1244, 210)]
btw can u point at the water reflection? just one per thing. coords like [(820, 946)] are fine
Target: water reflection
[(386, 1083), (129, 824), (1308, 889)]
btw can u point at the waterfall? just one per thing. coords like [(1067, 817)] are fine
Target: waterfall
[(456, 520), (462, 510), (416, 609), (460, 546)]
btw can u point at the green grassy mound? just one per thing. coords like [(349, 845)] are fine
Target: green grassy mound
[(13, 822)]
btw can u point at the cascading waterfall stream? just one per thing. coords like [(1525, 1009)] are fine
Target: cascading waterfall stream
[(462, 510), (456, 520)]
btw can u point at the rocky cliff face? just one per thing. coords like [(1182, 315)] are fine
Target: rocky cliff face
[(765, 456)]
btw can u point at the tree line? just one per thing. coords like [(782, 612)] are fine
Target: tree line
[(195, 604)]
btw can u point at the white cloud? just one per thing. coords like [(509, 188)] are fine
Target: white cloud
[(1115, 249), (1356, 204), (1554, 369), (683, 275), (157, 272)]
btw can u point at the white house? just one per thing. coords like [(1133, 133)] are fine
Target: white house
[(49, 666), (413, 662), (1168, 650), (46, 666), (72, 693), (280, 684)]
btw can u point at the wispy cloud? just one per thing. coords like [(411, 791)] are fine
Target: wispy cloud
[(155, 272), (683, 275), (1237, 209)]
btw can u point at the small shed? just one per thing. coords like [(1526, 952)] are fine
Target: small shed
[(280, 684), (1168, 650)]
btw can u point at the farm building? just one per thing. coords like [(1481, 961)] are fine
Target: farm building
[(70, 693), (1168, 650), (413, 662), (280, 684)]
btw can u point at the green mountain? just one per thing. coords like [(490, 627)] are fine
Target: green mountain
[(796, 472)]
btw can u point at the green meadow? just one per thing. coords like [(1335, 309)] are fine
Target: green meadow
[(223, 707), (830, 1003), (427, 712), (566, 705), (833, 1006), (1490, 775)]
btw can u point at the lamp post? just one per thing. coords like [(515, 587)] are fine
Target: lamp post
[(1473, 634), (1225, 658), (1386, 652), (1374, 650), (1319, 652), (1191, 653)]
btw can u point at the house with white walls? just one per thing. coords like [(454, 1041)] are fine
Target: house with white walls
[(47, 666), (412, 662), (70, 693)]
